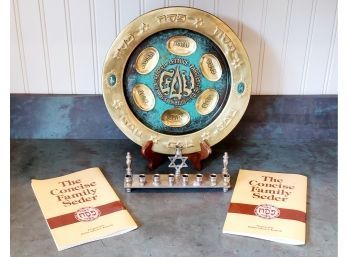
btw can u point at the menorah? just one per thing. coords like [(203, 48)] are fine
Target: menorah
[(177, 180)]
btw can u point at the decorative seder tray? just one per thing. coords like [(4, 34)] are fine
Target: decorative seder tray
[(176, 76)]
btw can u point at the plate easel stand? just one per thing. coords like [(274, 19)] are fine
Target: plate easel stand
[(155, 159), (176, 180)]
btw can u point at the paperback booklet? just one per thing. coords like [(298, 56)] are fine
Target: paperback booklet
[(81, 207), (269, 206)]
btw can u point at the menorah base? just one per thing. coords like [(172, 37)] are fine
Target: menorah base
[(184, 181)]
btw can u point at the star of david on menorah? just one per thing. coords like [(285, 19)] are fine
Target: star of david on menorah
[(173, 159)]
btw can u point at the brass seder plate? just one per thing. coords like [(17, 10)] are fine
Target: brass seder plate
[(176, 76)]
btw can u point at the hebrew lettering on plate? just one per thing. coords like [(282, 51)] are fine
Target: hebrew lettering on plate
[(171, 18)]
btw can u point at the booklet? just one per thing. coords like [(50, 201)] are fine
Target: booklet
[(268, 205), (81, 207)]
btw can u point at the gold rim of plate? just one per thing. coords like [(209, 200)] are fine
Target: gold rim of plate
[(176, 18)]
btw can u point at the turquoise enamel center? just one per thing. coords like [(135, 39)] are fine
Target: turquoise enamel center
[(177, 81)]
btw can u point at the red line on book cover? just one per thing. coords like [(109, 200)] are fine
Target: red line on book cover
[(282, 213), (84, 214)]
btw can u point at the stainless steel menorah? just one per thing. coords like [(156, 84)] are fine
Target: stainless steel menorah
[(177, 180)]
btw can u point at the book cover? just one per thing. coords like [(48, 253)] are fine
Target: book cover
[(81, 207), (268, 205)]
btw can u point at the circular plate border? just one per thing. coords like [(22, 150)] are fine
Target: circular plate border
[(174, 18)]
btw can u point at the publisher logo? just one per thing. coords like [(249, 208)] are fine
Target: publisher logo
[(267, 211), (87, 214)]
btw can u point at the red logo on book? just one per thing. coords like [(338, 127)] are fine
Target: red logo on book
[(267, 211), (87, 214)]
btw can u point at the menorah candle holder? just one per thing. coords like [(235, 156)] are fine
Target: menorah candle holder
[(177, 180)]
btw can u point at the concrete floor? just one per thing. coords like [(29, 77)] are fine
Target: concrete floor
[(174, 223)]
